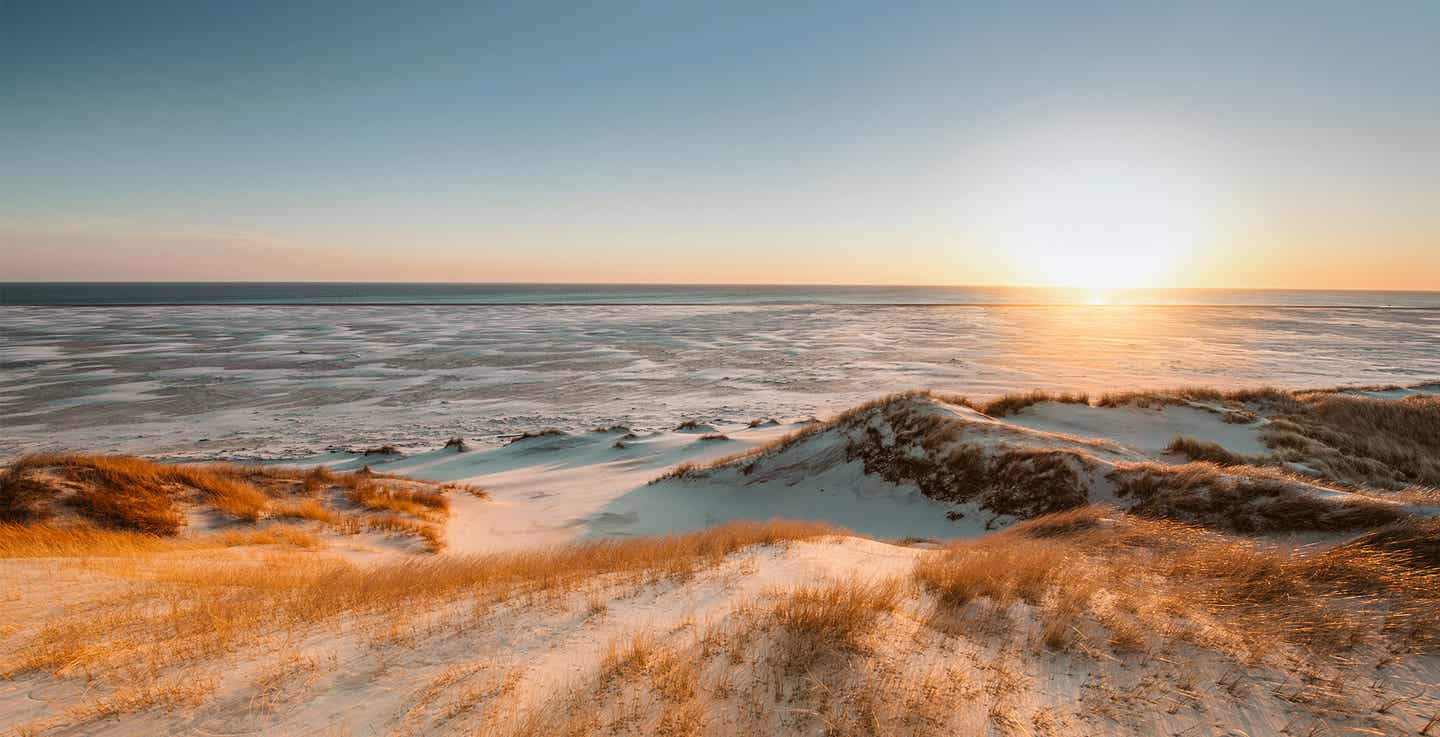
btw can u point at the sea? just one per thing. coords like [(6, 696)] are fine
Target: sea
[(288, 370), (372, 293)]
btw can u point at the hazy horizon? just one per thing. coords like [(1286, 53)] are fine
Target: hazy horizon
[(1294, 146), (703, 284)]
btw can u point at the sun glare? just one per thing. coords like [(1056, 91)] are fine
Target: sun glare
[(1111, 218)]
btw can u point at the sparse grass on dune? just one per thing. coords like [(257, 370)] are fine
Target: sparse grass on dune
[(134, 493), (1187, 394), (1138, 575), (430, 535), (781, 444), (307, 509), (832, 613), (125, 493), (1244, 499), (317, 479), (546, 433), (974, 640), (24, 498), (1389, 443), (905, 441), (211, 607), (1343, 434), (44, 541), (1200, 450), (796, 660), (1012, 403), (82, 541), (1416, 539), (377, 496), (136, 508)]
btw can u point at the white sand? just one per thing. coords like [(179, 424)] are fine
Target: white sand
[(1145, 430)]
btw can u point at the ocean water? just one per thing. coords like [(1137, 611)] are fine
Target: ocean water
[(241, 380), (198, 293)]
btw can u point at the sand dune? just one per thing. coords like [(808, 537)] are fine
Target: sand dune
[(1058, 569)]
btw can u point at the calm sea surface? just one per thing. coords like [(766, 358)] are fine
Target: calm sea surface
[(286, 370), (371, 293)]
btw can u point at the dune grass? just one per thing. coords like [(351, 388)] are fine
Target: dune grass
[(85, 541), (831, 614), (1245, 499), (377, 496), (126, 494), (1388, 443), (1184, 582), (1009, 404), (211, 605), (1200, 450), (45, 541)]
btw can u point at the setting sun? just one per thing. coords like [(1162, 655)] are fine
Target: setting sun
[(1105, 216)]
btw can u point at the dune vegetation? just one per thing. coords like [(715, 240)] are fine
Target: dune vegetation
[(1190, 588), (107, 497)]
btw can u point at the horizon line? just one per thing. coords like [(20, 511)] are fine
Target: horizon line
[(817, 285)]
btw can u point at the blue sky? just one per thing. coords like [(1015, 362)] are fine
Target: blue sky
[(1295, 144)]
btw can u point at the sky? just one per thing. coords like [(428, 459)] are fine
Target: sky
[(1154, 144)]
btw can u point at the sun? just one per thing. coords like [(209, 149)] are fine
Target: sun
[(1107, 218)]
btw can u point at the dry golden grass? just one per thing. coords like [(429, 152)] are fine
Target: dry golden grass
[(1199, 450), (789, 440), (1346, 436), (44, 541), (1416, 538), (129, 494), (1003, 573), (429, 534), (126, 492), (308, 509), (833, 613), (376, 495), (211, 607), (627, 654), (23, 497), (85, 541), (846, 657), (134, 508), (271, 535), (1244, 499), (474, 491), (1388, 443), (1188, 394), (1012, 403), (172, 693), (317, 479), (1185, 582)]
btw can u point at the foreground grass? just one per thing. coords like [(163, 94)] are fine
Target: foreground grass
[(77, 541), (1166, 579), (949, 641), (1164, 618), (212, 606)]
